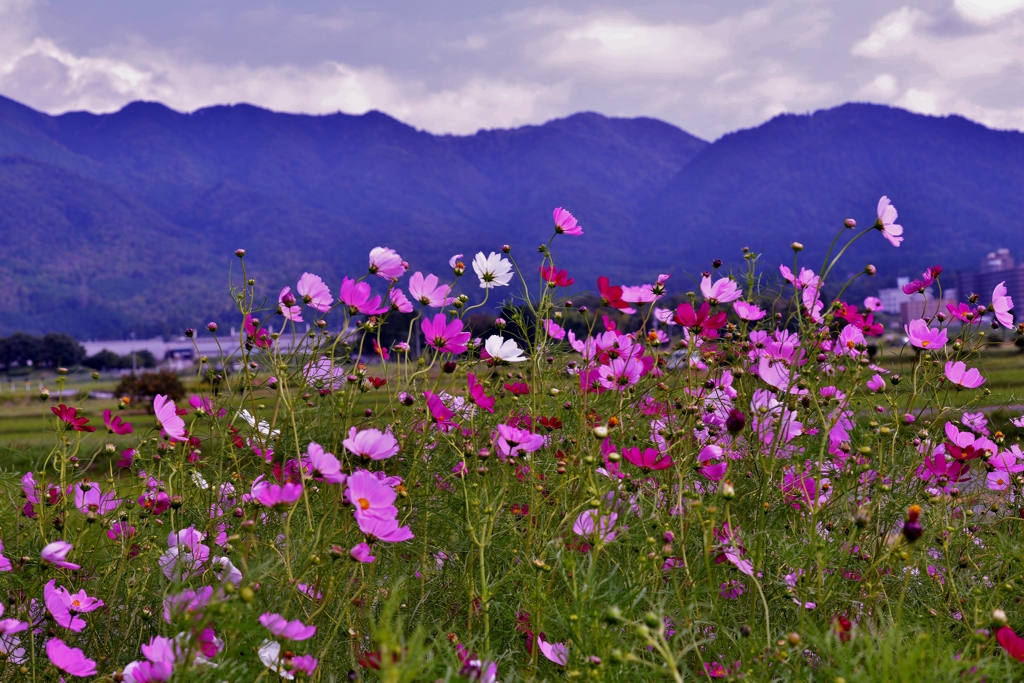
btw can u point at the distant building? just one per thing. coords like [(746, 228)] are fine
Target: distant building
[(997, 266), (919, 307)]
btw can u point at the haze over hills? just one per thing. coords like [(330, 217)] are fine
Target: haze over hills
[(126, 222)]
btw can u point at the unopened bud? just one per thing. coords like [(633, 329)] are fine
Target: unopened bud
[(240, 253), (796, 246), (505, 248), (728, 491), (870, 269), (850, 223), (189, 332), (212, 327), (999, 617)]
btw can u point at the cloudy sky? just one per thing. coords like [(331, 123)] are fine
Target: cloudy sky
[(461, 65)]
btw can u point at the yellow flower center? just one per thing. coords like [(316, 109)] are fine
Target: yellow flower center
[(364, 504)]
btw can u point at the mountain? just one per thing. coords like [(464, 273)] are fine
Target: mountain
[(126, 222)]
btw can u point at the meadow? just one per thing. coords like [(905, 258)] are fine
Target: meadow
[(735, 489)]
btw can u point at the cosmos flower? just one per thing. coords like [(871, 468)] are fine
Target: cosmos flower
[(647, 459), (555, 652), (428, 292), (873, 303), (565, 223), (321, 464), (371, 443), (69, 416), (282, 628), (356, 295), (115, 425), (56, 553), (511, 441), (591, 522), (186, 555), (68, 659), (876, 383), (923, 337), (505, 350), (167, 418), (887, 222), (279, 496), (960, 375), (386, 263), (1002, 306), (555, 277), (399, 302), (90, 498), (287, 306), (724, 291), (620, 373), (445, 336), (477, 395), (314, 292), (361, 553), (492, 270), (748, 311)]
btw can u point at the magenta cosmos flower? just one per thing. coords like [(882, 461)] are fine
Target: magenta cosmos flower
[(723, 291), (887, 222), (876, 383), (386, 530), (748, 311), (314, 292), (399, 302), (322, 464), (69, 417), (115, 425), (56, 553), (356, 295), (427, 291), (475, 392), (90, 498), (565, 223), (161, 655), (923, 337), (287, 306), (280, 497), (371, 443), (648, 459), (444, 336), (282, 628), (1002, 305), (386, 263), (167, 418), (361, 553), (960, 375), (68, 659), (370, 497)]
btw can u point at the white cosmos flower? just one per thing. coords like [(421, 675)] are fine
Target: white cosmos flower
[(270, 655), (503, 349), (263, 427), (493, 270)]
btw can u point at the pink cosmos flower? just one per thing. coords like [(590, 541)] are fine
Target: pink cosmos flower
[(887, 222), (5, 564), (115, 425), (1002, 306), (280, 497), (155, 502), (440, 413), (89, 498), (68, 659), (370, 497), (282, 628), (511, 441), (639, 294), (923, 337), (958, 374), (356, 295), (806, 279), (56, 553), (724, 291), (876, 383), (997, 480), (304, 663), (186, 555), (620, 373), (555, 652), (371, 443), (399, 302), (648, 459), (9, 627), (428, 292), (386, 263), (946, 471), (554, 330), (119, 530), (708, 467), (386, 530), (444, 336), (61, 603), (477, 395), (68, 417), (314, 292), (731, 589), (747, 311), (565, 223), (287, 306), (873, 304), (592, 521), (966, 446), (701, 320), (161, 654), (167, 418), (361, 553), (321, 464)]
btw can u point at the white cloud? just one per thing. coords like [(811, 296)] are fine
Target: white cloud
[(987, 11), (883, 86), (623, 47)]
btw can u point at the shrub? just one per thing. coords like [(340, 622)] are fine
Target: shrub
[(145, 387)]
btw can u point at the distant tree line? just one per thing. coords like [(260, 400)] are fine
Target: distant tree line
[(21, 350)]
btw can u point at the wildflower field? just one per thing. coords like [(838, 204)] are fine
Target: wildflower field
[(733, 488)]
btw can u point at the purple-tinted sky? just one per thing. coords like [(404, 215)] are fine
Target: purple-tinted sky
[(457, 66)]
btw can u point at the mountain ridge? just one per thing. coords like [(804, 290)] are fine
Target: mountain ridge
[(169, 195)]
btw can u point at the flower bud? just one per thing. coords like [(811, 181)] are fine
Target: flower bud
[(717, 263), (796, 246), (601, 432), (212, 327), (870, 269), (505, 248), (240, 253), (999, 617), (189, 332), (850, 223), (728, 491)]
